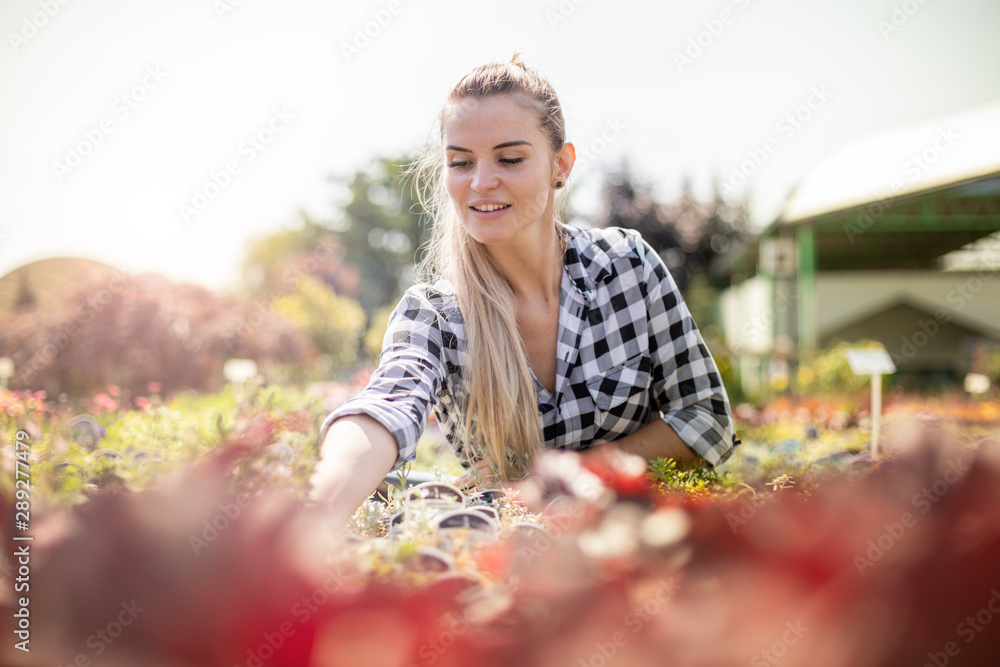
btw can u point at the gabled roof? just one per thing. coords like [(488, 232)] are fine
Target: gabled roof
[(921, 157), (898, 199)]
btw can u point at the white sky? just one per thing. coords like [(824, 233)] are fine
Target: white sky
[(225, 74)]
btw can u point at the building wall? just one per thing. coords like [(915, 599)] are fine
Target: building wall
[(917, 342), (925, 319), (748, 317), (968, 298)]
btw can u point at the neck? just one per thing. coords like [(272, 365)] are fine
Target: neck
[(533, 266)]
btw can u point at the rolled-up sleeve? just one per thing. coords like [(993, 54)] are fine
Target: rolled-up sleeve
[(404, 387), (686, 381)]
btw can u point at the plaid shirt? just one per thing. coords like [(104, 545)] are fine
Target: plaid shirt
[(628, 353)]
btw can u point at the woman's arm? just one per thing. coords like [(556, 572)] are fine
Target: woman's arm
[(357, 453), (686, 382), (657, 440), (378, 429)]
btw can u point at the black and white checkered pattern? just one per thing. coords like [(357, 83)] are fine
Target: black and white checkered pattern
[(628, 353)]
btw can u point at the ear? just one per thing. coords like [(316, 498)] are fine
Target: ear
[(565, 159)]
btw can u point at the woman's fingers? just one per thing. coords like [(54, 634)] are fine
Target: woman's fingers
[(479, 474)]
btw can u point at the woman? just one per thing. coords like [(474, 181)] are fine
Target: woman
[(524, 333)]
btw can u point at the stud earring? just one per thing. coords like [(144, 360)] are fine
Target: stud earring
[(559, 184)]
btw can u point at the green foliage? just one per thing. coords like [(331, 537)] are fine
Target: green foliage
[(334, 323), (381, 230), (435, 455), (136, 449), (376, 331), (702, 300), (274, 264), (688, 234), (140, 446), (829, 374), (729, 372), (780, 449), (698, 479), (132, 330), (366, 253)]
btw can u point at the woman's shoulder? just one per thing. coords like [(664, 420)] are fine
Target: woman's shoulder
[(440, 290), (437, 298), (612, 241)]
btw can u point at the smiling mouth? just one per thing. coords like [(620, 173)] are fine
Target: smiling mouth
[(486, 208)]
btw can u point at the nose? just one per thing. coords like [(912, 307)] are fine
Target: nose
[(484, 177)]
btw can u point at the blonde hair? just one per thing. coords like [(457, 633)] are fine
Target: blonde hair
[(501, 416)]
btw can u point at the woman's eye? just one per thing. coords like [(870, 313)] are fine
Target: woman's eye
[(460, 164)]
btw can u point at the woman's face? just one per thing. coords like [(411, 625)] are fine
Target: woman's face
[(500, 169)]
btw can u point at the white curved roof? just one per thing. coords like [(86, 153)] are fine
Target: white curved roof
[(904, 160)]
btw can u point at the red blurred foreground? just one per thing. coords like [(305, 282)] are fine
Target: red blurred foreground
[(899, 566)]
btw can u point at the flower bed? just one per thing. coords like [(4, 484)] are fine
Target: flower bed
[(216, 559)]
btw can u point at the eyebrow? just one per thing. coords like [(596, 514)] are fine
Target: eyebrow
[(506, 144)]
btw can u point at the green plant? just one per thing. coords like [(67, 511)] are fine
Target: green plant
[(699, 479), (828, 373), (333, 322)]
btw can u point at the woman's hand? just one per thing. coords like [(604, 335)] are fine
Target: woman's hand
[(479, 475), (656, 440)]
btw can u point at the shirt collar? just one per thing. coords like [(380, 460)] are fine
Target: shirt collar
[(586, 260)]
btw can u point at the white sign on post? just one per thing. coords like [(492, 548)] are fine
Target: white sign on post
[(238, 371), (874, 361), (975, 383)]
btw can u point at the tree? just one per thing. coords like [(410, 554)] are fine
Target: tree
[(687, 234), (275, 263), (366, 252), (375, 334), (131, 330), (334, 323), (381, 230)]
